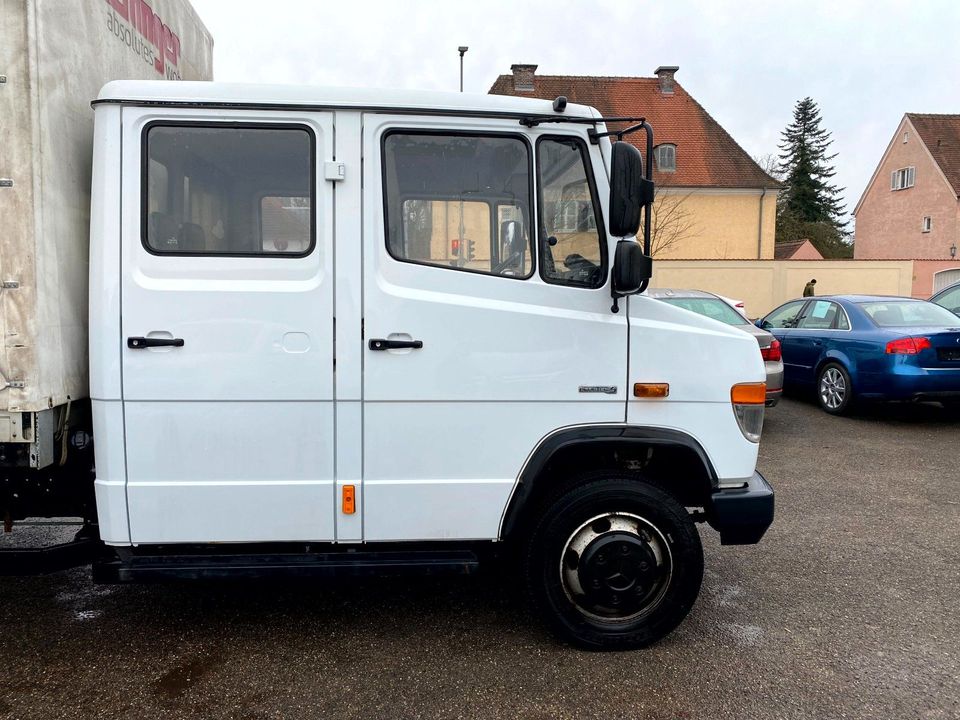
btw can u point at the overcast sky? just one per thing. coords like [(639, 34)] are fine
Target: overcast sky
[(746, 62)]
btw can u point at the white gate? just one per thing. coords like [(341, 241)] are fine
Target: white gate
[(944, 278)]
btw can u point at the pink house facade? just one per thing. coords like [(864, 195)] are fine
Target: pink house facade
[(910, 209)]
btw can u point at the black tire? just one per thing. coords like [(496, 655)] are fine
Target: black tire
[(664, 558), (833, 379)]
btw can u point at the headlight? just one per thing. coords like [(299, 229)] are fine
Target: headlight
[(748, 401)]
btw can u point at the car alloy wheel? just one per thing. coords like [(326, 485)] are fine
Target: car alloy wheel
[(833, 389)]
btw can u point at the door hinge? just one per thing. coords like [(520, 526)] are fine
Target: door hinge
[(6, 182), (16, 384), (335, 171), (10, 284)]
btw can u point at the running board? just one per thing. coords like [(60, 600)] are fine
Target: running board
[(51, 558), (148, 568)]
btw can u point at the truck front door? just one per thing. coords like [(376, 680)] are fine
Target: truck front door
[(486, 316), (227, 326)]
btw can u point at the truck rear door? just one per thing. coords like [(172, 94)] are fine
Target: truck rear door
[(227, 325)]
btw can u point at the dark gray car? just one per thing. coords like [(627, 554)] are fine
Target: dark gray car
[(949, 298), (712, 306)]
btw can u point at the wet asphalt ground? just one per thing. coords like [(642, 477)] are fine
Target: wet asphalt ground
[(849, 608)]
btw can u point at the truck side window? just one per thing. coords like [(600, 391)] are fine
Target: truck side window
[(228, 190), (572, 243), (459, 201)]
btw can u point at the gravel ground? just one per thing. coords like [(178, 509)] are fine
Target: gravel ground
[(847, 609)]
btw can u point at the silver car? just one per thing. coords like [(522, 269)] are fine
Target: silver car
[(712, 306)]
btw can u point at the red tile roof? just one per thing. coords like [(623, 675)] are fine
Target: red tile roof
[(941, 135), (706, 154)]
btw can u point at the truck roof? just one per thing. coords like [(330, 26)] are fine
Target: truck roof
[(164, 92)]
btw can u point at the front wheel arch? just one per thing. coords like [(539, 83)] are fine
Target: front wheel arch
[(669, 459)]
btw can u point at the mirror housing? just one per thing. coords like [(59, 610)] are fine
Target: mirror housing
[(630, 191), (631, 268)]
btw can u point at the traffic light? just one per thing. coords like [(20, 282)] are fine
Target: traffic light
[(470, 250)]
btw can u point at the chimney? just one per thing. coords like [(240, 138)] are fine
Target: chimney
[(665, 75), (523, 77)]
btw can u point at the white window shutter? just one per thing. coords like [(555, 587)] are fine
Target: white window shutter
[(911, 176), (893, 180)]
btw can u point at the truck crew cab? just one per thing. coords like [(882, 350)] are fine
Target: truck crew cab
[(345, 330)]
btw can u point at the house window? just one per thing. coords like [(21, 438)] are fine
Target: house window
[(666, 157), (927, 223), (903, 178), (906, 136)]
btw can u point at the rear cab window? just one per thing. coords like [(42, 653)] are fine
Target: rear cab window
[(228, 190)]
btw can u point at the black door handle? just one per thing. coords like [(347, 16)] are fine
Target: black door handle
[(139, 343), (381, 344)]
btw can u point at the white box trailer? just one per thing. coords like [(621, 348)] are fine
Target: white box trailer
[(54, 58)]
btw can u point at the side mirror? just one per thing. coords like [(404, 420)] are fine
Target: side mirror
[(631, 268), (629, 190)]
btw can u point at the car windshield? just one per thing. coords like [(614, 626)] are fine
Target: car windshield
[(709, 307), (908, 313)]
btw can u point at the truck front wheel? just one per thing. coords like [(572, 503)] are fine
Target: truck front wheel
[(614, 564)]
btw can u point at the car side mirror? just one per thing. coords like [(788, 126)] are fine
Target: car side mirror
[(631, 268), (630, 191)]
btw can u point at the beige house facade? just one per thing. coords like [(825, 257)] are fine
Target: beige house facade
[(713, 201)]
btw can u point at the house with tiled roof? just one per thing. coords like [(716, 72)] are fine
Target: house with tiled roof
[(713, 200), (910, 208), (796, 250)]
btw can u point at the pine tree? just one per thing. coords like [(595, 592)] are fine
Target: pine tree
[(810, 204)]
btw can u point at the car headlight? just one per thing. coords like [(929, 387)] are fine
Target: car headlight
[(748, 401)]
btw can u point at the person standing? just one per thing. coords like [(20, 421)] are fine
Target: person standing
[(809, 287)]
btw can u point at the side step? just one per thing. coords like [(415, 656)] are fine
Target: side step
[(48, 559), (147, 568)]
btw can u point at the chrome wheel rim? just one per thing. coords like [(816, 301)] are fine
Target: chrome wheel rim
[(616, 567), (833, 388)]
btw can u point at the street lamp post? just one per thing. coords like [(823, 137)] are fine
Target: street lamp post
[(463, 49)]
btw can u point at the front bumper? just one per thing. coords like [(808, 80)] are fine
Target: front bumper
[(742, 515)]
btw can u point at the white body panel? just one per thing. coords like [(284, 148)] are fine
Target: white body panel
[(232, 438), (701, 359), (447, 428), (56, 56)]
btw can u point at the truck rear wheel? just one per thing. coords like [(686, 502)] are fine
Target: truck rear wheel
[(614, 564)]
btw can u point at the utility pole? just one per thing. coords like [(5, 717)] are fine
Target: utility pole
[(463, 49)]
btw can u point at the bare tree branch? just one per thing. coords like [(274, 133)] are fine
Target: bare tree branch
[(672, 222)]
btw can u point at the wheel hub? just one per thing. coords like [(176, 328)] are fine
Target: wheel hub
[(616, 567), (617, 570)]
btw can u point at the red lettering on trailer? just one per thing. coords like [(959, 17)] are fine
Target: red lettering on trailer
[(146, 22)]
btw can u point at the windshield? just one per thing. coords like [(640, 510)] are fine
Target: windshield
[(711, 308), (908, 313)]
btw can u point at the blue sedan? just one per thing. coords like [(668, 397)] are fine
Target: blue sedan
[(864, 346)]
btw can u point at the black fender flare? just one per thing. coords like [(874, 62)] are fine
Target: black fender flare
[(585, 435)]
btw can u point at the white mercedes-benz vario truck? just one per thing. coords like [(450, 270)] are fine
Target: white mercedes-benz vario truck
[(344, 331)]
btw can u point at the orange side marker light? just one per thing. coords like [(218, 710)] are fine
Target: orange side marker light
[(651, 390), (349, 499)]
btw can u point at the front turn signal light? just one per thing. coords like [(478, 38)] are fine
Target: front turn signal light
[(749, 401)]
